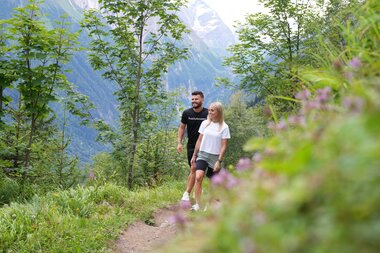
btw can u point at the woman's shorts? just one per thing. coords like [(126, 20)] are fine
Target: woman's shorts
[(206, 161)]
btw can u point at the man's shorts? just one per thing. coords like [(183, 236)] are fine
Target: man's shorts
[(190, 152)]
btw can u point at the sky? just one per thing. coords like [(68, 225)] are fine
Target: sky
[(230, 10)]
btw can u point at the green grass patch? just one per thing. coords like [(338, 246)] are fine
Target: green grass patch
[(84, 219)]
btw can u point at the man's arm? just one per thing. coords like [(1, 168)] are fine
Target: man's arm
[(181, 131), (196, 149)]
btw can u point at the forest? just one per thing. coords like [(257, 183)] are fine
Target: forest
[(301, 172)]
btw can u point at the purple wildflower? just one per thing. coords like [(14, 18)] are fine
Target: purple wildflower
[(303, 95), (281, 125), (224, 179), (349, 76), (271, 125), (309, 106), (323, 95), (257, 157), (91, 175), (185, 204), (277, 127), (353, 104), (297, 120), (355, 63), (243, 164), (178, 219)]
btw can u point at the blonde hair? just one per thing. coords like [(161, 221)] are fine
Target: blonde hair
[(219, 116)]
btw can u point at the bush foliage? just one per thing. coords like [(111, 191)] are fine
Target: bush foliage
[(313, 185)]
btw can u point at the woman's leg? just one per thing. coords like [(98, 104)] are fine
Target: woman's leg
[(199, 174)]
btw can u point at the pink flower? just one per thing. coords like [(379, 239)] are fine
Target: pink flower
[(297, 120), (281, 125), (349, 76), (309, 106), (353, 104), (243, 164), (303, 95), (91, 175), (277, 127), (224, 179), (257, 157), (185, 205), (323, 95), (178, 218), (355, 63)]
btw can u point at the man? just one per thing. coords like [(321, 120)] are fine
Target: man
[(191, 119)]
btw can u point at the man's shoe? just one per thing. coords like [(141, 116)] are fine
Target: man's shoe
[(185, 196)]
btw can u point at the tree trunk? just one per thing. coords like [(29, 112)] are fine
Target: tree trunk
[(30, 140), (1, 100), (18, 129)]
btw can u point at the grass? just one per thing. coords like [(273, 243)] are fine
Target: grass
[(85, 219)]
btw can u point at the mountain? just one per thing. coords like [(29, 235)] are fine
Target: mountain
[(206, 24), (207, 40)]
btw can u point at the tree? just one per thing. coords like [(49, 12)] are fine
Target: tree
[(6, 74), (272, 48), (244, 122), (38, 55), (133, 43), (157, 155), (33, 59)]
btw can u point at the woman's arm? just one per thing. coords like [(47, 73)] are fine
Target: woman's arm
[(218, 164)]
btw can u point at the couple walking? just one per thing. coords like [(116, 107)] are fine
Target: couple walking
[(207, 143)]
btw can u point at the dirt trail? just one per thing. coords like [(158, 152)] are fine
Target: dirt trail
[(140, 237)]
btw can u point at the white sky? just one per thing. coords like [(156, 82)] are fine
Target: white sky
[(231, 10)]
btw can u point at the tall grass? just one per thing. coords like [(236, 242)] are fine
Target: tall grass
[(84, 219)]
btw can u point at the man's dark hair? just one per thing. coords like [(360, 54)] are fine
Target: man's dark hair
[(198, 92)]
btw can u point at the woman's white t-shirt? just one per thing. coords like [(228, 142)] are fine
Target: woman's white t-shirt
[(212, 136)]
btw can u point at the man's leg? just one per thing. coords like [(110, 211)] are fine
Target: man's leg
[(191, 177)]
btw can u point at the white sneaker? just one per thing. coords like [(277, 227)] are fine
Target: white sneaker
[(195, 207), (185, 196)]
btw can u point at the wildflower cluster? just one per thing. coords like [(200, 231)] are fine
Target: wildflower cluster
[(224, 179)]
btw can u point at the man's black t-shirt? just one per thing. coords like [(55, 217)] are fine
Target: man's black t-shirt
[(193, 121)]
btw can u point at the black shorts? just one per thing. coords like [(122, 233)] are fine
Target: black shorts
[(203, 165), (190, 152)]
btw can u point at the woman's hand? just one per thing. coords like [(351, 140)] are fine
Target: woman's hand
[(193, 160), (217, 166)]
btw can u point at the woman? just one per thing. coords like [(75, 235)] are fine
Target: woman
[(210, 148)]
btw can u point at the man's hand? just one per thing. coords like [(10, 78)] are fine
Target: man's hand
[(179, 148)]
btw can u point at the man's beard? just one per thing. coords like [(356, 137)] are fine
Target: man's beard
[(197, 105)]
